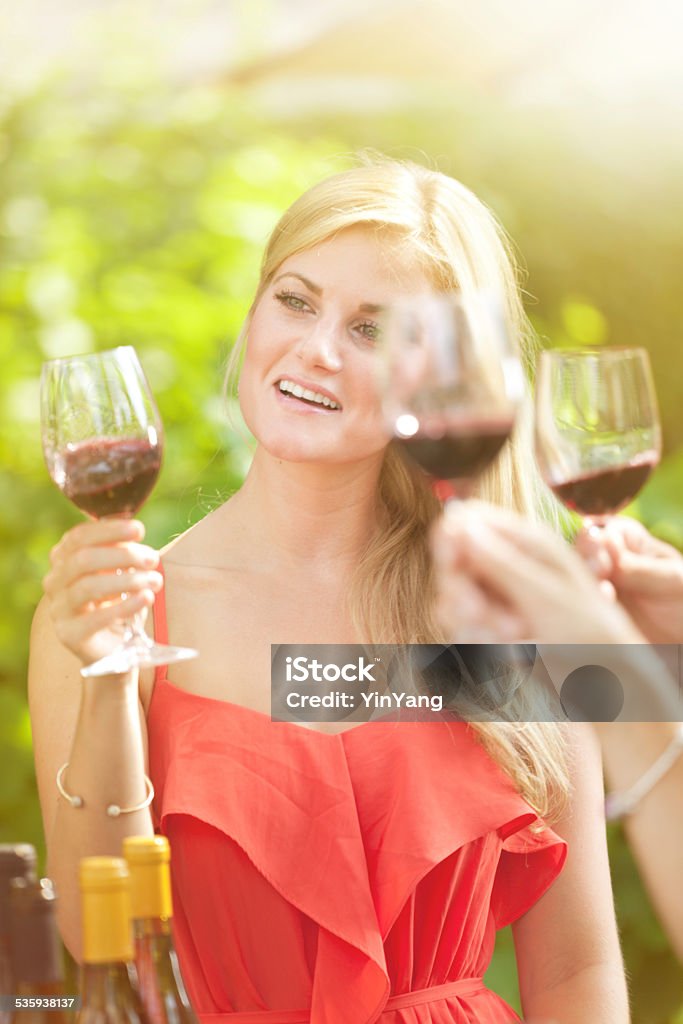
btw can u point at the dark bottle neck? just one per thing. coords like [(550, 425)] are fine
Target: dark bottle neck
[(5, 967), (54, 987), (36, 953)]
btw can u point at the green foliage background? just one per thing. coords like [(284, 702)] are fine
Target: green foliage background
[(136, 214)]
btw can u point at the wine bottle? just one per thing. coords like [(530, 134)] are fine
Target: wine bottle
[(160, 981), (36, 953), (17, 860), (109, 993)]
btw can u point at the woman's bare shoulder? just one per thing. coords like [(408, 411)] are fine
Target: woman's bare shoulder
[(186, 560), (211, 543), (187, 547)]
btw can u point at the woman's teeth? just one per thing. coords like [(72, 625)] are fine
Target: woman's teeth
[(289, 388)]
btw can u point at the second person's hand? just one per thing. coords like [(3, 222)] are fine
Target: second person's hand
[(646, 574), (504, 578)]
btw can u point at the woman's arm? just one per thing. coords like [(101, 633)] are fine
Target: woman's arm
[(655, 828), (647, 576), (96, 724), (570, 964)]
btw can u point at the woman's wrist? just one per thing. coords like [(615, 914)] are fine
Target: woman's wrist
[(642, 765), (114, 689)]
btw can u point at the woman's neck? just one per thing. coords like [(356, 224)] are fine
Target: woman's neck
[(298, 512)]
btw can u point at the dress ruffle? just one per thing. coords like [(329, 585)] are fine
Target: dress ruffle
[(455, 806), (346, 827)]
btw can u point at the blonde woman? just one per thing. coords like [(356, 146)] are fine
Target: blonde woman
[(326, 874)]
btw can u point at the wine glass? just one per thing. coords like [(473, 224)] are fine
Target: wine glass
[(598, 436), (102, 441), (451, 383)]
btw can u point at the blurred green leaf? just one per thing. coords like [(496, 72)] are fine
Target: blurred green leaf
[(584, 324)]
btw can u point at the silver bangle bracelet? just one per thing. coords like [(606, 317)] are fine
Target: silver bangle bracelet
[(113, 810), (618, 805)]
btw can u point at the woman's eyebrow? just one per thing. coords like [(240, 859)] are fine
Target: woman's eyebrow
[(315, 288), (365, 307)]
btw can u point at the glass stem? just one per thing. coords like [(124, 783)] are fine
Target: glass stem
[(595, 525), (135, 632)]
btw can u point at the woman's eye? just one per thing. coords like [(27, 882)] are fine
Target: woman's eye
[(369, 329), (292, 301)]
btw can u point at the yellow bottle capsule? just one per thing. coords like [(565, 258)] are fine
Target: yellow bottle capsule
[(148, 859), (105, 894)]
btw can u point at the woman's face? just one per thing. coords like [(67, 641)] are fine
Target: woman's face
[(308, 388)]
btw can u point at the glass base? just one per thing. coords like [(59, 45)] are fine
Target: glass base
[(137, 654)]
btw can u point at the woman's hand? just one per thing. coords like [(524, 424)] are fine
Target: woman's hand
[(502, 578), (646, 574), (100, 575)]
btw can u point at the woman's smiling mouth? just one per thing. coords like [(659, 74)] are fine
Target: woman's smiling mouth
[(291, 391)]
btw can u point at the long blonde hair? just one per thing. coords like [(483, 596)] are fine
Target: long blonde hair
[(457, 243)]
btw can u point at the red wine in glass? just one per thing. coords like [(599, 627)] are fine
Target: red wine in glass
[(451, 384), (458, 453), (598, 436), (111, 476), (606, 491), (102, 440)]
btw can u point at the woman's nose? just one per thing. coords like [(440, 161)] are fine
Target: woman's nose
[(320, 347)]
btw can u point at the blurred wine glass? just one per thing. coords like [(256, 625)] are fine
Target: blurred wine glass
[(451, 383), (598, 435), (102, 441)]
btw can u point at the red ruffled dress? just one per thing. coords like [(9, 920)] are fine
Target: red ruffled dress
[(338, 879)]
